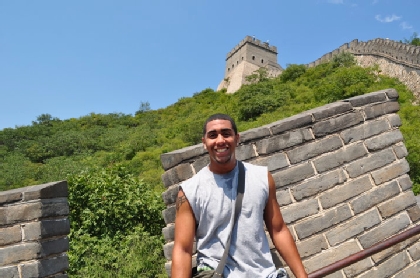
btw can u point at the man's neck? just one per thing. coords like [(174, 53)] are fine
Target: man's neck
[(222, 168)]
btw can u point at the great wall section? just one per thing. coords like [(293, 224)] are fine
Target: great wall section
[(394, 59), (342, 181)]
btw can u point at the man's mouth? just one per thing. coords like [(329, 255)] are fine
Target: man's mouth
[(221, 150)]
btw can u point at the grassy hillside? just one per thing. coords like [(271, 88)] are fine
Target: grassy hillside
[(115, 158)]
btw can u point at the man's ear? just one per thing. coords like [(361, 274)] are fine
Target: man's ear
[(204, 143), (237, 139)]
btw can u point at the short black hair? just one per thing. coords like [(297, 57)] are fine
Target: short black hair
[(220, 116)]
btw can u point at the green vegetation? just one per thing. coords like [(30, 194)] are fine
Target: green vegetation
[(112, 161), (414, 40)]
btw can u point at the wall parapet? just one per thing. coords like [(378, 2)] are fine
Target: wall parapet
[(399, 53), (342, 183), (256, 42), (34, 225)]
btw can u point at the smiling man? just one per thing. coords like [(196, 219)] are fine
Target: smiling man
[(204, 212)]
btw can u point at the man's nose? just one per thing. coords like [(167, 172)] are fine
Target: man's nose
[(220, 138)]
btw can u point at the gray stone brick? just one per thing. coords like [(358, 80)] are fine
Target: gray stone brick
[(314, 149), (345, 192), (46, 267), (318, 184), (390, 172), (54, 246), (19, 252), (300, 210), (397, 204), (293, 174), (331, 255), (312, 246), (253, 134), (46, 191), (177, 174), (371, 162), (386, 229), (334, 125), (172, 159), (330, 110), (394, 120), (414, 251), (412, 271), (54, 207), (283, 197), (169, 232), (273, 162), (405, 182), (283, 141), (11, 196), (245, 152), (391, 93), (200, 163), (384, 140), (358, 267), (9, 235), (167, 250), (324, 221), (362, 100), (9, 272), (293, 122), (389, 267), (380, 109), (375, 196), (394, 249), (414, 213), (400, 150), (169, 196), (169, 215), (340, 157), (355, 226), (20, 212), (366, 130), (46, 229)]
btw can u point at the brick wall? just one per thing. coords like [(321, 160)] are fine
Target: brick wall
[(34, 225), (342, 183)]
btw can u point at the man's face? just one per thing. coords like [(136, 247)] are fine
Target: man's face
[(220, 141)]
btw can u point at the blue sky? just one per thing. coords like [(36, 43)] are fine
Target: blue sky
[(72, 58)]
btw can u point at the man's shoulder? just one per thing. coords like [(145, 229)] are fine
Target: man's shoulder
[(254, 167)]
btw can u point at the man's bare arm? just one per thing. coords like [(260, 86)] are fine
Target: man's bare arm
[(280, 234), (184, 238)]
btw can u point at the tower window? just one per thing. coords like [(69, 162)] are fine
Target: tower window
[(253, 57), (262, 61), (233, 65)]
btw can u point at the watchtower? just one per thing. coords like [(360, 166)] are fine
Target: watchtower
[(245, 58)]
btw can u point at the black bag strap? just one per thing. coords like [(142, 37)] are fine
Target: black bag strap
[(238, 206)]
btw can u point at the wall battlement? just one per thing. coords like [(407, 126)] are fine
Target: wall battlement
[(400, 53), (254, 41), (34, 225)]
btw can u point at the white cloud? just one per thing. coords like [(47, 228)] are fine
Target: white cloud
[(405, 25), (387, 19), (336, 1)]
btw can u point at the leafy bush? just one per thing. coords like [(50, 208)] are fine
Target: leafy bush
[(107, 206)]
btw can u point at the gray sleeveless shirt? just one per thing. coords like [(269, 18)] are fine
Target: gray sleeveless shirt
[(212, 198)]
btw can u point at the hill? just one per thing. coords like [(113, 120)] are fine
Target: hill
[(108, 156)]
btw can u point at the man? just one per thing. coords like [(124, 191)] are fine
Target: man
[(204, 208)]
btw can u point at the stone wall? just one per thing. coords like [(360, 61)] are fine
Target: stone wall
[(342, 183), (245, 58), (395, 59), (34, 225)]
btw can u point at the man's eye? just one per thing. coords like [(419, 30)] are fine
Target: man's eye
[(227, 134), (212, 135)]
